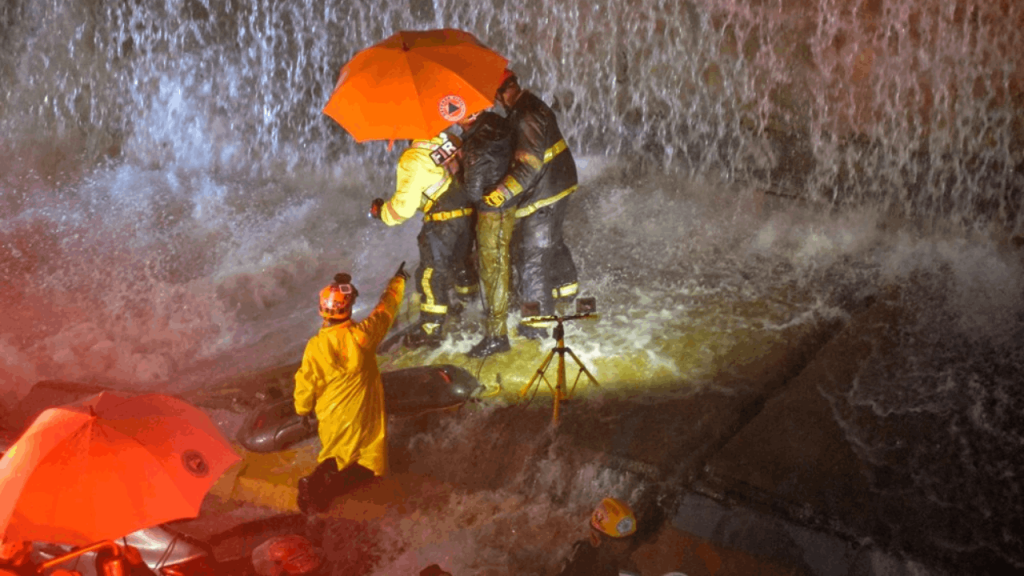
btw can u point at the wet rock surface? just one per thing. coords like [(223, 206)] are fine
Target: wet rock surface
[(806, 456)]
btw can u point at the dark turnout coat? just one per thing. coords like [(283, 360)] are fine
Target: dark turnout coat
[(542, 175), (543, 170), (485, 156)]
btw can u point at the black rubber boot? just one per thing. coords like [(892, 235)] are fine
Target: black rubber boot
[(420, 339), (303, 499), (490, 345), (349, 479), (314, 490), (320, 502), (429, 332), (456, 309)]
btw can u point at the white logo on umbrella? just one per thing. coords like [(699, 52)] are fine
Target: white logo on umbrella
[(452, 108)]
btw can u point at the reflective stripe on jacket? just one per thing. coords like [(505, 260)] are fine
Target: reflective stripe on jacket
[(543, 170)]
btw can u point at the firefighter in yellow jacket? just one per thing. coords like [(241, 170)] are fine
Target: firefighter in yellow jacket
[(340, 381), (426, 182)]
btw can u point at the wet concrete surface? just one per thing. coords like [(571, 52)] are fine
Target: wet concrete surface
[(639, 439), (656, 442), (755, 468), (795, 459)]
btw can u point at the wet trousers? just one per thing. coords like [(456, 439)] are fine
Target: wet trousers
[(445, 265), (493, 240), (544, 269), (326, 481)]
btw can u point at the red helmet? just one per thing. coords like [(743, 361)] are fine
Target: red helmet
[(507, 77), (336, 299), (290, 555)]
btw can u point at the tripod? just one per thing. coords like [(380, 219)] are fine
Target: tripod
[(559, 390)]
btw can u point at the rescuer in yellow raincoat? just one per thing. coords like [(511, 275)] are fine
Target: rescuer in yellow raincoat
[(340, 380), (426, 182)]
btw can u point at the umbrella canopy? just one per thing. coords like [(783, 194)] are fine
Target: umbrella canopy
[(414, 85), (108, 466)]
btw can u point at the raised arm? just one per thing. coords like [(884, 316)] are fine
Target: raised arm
[(377, 324)]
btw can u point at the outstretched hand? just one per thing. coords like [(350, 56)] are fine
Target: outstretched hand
[(401, 272), (375, 208)]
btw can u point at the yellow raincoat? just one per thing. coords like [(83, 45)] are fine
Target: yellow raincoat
[(340, 378)]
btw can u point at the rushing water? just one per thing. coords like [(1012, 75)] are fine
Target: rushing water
[(171, 195)]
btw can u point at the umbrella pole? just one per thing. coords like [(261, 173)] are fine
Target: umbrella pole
[(90, 548)]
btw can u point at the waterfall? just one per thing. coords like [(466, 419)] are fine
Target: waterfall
[(912, 105), (172, 197)]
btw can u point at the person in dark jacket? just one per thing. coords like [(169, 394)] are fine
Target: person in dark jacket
[(485, 156), (538, 182)]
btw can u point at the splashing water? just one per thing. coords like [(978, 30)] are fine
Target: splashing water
[(171, 196)]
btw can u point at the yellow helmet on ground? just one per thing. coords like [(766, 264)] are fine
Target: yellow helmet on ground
[(337, 298), (614, 518)]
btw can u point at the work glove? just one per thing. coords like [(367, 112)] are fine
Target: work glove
[(495, 198), (401, 272), (375, 208)]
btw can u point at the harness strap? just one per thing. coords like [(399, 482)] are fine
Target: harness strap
[(447, 215)]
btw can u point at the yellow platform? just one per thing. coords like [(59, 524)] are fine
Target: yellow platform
[(268, 480)]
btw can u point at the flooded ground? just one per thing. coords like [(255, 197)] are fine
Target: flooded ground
[(801, 223), (727, 409), (775, 378)]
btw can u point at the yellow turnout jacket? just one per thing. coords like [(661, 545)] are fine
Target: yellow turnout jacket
[(419, 182), (339, 378)]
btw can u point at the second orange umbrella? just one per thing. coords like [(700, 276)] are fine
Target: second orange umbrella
[(108, 466)]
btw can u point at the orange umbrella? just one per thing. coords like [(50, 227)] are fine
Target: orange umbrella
[(414, 85), (108, 466)]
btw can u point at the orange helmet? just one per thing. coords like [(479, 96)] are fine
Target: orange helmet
[(614, 518), (337, 298)]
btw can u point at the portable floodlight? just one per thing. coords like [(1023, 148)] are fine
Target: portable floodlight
[(586, 308)]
